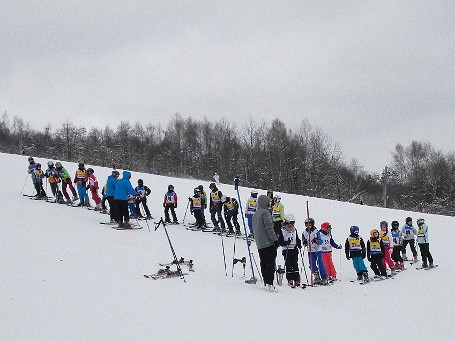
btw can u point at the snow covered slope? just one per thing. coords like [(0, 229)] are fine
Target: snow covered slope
[(66, 277)]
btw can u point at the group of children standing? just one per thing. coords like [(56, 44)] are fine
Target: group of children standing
[(387, 248)]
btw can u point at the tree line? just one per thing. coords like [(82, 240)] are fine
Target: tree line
[(302, 160)]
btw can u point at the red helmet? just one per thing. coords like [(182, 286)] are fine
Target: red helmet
[(326, 225)]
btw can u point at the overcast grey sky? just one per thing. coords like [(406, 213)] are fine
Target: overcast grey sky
[(369, 74)]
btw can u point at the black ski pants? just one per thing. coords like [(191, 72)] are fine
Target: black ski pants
[(121, 209), (377, 266), (234, 220), (112, 208), (425, 253), (267, 258), (292, 264), (142, 201), (217, 218), (170, 207), (412, 244), (396, 255)]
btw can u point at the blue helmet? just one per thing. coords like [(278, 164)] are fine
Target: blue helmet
[(354, 230)]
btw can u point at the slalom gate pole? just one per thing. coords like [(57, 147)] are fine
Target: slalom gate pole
[(303, 265), (187, 205), (309, 243), (253, 279), (257, 269), (179, 269), (23, 186)]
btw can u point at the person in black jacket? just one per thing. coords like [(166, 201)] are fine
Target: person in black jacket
[(290, 245), (375, 253)]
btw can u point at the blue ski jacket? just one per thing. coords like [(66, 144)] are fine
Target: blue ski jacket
[(110, 186), (123, 187)]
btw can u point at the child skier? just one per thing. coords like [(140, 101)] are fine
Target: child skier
[(80, 179), (37, 178), (132, 206), (327, 244), (312, 238), (277, 214), (408, 231), (251, 206), (397, 247), (142, 192), (92, 185), (66, 181), (215, 209), (53, 178), (387, 240), (290, 244), (424, 244), (196, 206), (375, 253), (231, 211), (355, 250), (170, 203)]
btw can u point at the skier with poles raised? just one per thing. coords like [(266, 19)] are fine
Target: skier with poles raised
[(266, 241), (290, 244)]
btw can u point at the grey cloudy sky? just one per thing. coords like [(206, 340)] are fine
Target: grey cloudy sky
[(369, 74)]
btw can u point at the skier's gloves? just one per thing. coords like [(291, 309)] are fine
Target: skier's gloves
[(340, 247), (288, 242)]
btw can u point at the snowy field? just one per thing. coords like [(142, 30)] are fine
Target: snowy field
[(64, 276)]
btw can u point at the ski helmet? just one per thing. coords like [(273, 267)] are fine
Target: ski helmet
[(30, 159), (326, 225), (81, 165), (395, 224), (201, 187), (140, 181), (58, 164), (197, 191), (212, 185), (289, 219), (38, 165), (223, 199), (277, 198), (115, 173), (420, 221), (384, 223), (310, 220), (90, 171), (170, 188), (354, 229), (50, 164), (254, 193), (408, 219), (372, 232), (269, 193)]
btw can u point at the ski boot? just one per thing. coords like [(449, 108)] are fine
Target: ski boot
[(366, 279), (317, 278), (359, 276), (424, 265), (431, 265), (403, 255), (415, 258)]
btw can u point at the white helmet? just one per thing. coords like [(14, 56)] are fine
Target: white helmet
[(289, 219), (253, 191), (223, 198), (50, 164), (277, 199)]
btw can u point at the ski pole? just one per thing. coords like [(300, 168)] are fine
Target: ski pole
[(248, 242), (233, 257), (224, 254), (187, 205), (309, 242), (179, 269), (303, 265), (256, 265), (22, 191)]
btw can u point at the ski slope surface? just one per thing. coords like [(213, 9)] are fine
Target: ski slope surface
[(64, 276)]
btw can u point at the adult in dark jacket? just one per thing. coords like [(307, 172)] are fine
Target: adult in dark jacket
[(123, 187), (266, 240)]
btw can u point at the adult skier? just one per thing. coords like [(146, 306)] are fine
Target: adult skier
[(123, 188), (266, 241)]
